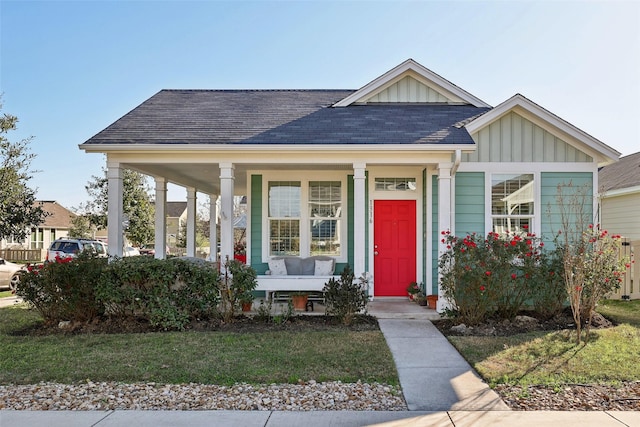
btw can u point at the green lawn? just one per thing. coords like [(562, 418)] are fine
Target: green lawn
[(201, 357), (4, 294), (554, 358)]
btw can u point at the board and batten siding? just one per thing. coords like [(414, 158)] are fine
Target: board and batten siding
[(470, 203), (572, 183), (408, 89), (512, 138), (620, 215)]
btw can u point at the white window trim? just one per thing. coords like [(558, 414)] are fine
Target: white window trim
[(305, 219), (536, 218)]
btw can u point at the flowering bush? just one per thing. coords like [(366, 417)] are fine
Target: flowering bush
[(593, 268), (491, 276), (64, 289)]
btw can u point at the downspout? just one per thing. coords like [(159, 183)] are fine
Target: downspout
[(456, 162)]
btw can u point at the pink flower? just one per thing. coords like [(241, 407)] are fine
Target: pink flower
[(482, 288), (514, 276), (488, 273)]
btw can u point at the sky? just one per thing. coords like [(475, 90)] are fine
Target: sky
[(68, 69)]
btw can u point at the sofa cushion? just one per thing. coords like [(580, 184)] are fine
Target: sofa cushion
[(294, 265)]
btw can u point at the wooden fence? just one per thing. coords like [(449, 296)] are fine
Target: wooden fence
[(630, 287), (23, 255)]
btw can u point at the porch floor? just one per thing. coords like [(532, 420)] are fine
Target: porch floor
[(380, 307)]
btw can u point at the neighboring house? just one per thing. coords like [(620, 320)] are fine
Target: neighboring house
[(176, 219), (56, 225), (619, 190), (369, 177), (619, 186)]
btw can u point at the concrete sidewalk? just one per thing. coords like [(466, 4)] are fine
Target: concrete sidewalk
[(317, 419)]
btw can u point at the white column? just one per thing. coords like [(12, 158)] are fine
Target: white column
[(161, 218), (115, 214), (213, 229), (191, 221), (444, 219), (359, 209), (226, 211)]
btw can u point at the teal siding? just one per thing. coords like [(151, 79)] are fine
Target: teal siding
[(256, 225), (572, 183), (435, 235), (470, 203)]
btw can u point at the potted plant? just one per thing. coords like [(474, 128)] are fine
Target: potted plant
[(420, 299), (299, 300), (246, 301), (413, 289), (243, 282), (432, 300)]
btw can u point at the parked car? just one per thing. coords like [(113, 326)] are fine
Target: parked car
[(150, 249), (10, 274), (130, 251), (69, 248)]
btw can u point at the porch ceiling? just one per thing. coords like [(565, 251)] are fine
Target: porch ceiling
[(206, 177)]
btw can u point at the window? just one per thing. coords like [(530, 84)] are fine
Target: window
[(299, 231), (395, 184), (284, 217), (37, 238), (325, 209), (512, 202)]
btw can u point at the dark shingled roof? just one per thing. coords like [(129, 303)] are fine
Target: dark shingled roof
[(624, 173), (284, 117)]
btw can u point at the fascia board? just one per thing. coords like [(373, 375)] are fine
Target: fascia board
[(621, 192), (210, 148), (425, 73), (547, 120)]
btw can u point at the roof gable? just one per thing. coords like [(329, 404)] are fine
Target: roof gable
[(58, 216), (411, 82), (551, 123)]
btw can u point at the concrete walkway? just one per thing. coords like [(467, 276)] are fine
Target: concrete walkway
[(440, 387)]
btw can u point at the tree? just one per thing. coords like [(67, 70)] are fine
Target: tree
[(136, 205), (19, 211), (81, 227)]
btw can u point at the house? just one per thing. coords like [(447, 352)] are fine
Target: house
[(369, 177), (176, 219), (619, 188), (56, 225)]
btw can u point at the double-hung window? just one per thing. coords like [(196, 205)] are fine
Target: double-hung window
[(284, 217), (512, 202), (305, 218)]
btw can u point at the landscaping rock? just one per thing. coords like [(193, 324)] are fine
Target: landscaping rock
[(526, 321), (461, 329)]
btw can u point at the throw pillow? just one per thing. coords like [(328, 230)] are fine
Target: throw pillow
[(277, 267), (323, 268)]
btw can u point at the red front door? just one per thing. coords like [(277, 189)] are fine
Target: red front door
[(394, 237)]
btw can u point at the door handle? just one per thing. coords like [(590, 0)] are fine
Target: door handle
[(375, 252)]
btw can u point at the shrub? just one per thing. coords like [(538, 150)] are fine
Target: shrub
[(492, 276), (64, 289), (239, 281), (168, 293), (345, 297)]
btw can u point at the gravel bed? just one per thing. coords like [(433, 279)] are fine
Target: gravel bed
[(310, 396), (572, 397)]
